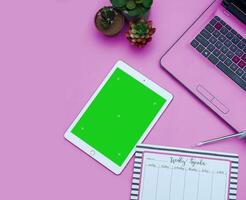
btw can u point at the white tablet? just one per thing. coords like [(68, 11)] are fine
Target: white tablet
[(118, 116)]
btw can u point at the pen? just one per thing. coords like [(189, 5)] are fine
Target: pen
[(240, 134)]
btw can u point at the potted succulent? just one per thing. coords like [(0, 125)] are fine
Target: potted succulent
[(140, 32), (109, 21), (133, 9)]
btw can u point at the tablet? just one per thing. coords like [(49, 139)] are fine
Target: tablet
[(118, 117)]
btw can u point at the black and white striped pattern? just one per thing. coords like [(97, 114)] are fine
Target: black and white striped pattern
[(140, 149), (136, 175), (233, 179)]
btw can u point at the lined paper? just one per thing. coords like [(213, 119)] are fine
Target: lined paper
[(182, 174)]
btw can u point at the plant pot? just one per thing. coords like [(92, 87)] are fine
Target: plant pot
[(115, 27)]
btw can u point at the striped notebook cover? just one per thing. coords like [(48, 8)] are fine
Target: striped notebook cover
[(168, 173)]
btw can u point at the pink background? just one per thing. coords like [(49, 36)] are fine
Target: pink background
[(52, 59)]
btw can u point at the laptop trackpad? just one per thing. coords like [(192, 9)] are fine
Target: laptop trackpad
[(211, 98)]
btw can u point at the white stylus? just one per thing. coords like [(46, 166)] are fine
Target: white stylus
[(241, 135)]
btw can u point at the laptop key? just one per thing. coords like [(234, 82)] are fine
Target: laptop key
[(205, 34), (229, 35), (216, 33), (239, 36), (202, 40), (224, 30), (241, 44), (209, 28), (228, 43), (218, 26), (213, 21), (224, 49), (216, 52), (234, 67), (229, 54), (239, 72), (225, 69), (200, 48), (211, 47), (206, 53), (233, 48), (228, 62), (244, 57), (217, 18), (244, 77), (194, 43), (218, 44), (235, 40), (235, 59), (228, 27), (222, 38), (241, 64), (234, 32), (239, 53), (222, 22), (212, 40), (213, 59), (222, 57)]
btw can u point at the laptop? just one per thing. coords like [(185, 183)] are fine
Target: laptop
[(210, 60)]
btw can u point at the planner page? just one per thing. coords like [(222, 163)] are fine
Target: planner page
[(178, 174)]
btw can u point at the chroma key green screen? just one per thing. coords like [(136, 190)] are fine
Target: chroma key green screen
[(118, 116)]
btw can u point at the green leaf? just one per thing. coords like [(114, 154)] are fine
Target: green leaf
[(142, 29), (137, 12), (139, 1), (118, 3), (147, 3), (134, 12), (142, 11), (131, 5)]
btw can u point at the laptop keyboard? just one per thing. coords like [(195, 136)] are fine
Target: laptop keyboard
[(225, 48)]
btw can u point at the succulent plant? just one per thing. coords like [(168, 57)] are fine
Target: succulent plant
[(140, 32), (109, 21), (133, 8)]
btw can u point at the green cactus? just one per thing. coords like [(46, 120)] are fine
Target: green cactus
[(107, 16), (134, 8)]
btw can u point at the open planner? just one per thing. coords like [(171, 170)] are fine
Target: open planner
[(167, 173)]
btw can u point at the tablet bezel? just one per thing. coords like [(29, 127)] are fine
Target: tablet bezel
[(102, 159)]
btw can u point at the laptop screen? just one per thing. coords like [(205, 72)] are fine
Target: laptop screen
[(237, 8), (240, 4)]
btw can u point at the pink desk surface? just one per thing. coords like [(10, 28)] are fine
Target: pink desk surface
[(52, 59)]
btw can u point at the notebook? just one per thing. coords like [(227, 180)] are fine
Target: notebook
[(167, 173)]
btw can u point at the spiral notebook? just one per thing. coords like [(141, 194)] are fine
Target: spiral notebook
[(167, 173)]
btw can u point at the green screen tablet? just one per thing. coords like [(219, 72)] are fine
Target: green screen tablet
[(118, 115)]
